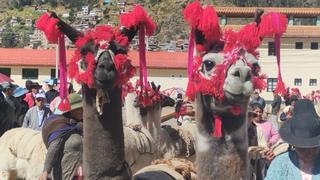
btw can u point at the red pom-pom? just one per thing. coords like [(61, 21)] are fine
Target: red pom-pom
[(280, 88), (230, 39), (104, 32), (190, 92), (209, 25), (249, 37), (64, 105), (273, 23), (217, 126), (259, 82), (82, 76), (138, 17), (48, 25), (200, 48), (192, 13), (236, 110), (124, 68), (41, 23)]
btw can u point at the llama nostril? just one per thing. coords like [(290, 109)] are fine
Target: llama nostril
[(236, 74), (102, 66), (248, 78)]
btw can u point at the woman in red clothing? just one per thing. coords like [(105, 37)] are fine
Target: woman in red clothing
[(30, 97)]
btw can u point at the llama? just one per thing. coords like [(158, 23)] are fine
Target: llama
[(22, 154), (167, 141), (101, 66), (223, 76)]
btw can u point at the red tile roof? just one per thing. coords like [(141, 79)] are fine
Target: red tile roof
[(249, 11), (32, 57)]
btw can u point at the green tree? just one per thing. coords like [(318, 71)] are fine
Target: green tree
[(8, 38)]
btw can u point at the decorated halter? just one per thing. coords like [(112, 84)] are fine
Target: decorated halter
[(236, 46), (81, 67), (147, 97)]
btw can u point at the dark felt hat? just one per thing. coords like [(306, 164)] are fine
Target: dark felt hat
[(303, 129)]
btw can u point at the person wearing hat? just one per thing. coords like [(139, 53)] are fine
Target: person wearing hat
[(36, 115), (20, 93), (51, 93), (257, 99), (30, 97), (62, 136), (13, 106), (302, 132)]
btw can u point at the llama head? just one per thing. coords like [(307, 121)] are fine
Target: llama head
[(225, 71), (100, 60), (143, 110)]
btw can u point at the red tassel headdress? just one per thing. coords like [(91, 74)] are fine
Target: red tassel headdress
[(48, 25), (140, 20), (274, 25), (101, 36)]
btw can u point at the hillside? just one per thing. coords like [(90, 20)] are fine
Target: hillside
[(166, 13)]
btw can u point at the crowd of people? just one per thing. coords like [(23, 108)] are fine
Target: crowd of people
[(288, 149), (36, 107)]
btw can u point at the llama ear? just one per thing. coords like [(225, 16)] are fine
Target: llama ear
[(154, 87), (130, 33), (257, 16), (199, 37), (66, 29)]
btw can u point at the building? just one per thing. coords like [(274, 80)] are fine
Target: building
[(299, 54), (299, 45), (167, 69)]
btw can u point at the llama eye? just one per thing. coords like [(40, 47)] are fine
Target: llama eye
[(209, 65)]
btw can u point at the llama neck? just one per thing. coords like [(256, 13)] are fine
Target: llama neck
[(103, 137), (225, 157), (154, 121), (133, 115)]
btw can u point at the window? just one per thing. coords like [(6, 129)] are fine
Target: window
[(299, 45), (53, 74), (271, 49), (272, 83), (6, 71), (314, 45), (305, 21), (30, 73), (298, 82), (313, 82)]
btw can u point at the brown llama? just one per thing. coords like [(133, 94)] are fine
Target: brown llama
[(224, 74)]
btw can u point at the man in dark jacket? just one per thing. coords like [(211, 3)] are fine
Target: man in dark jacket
[(13, 106), (276, 103), (3, 107)]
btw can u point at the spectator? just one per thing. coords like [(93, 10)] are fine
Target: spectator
[(28, 85), (13, 106), (30, 97), (4, 123), (256, 146), (37, 114), (276, 104), (287, 111), (257, 99), (20, 93), (303, 133), (62, 136), (270, 134), (51, 93)]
